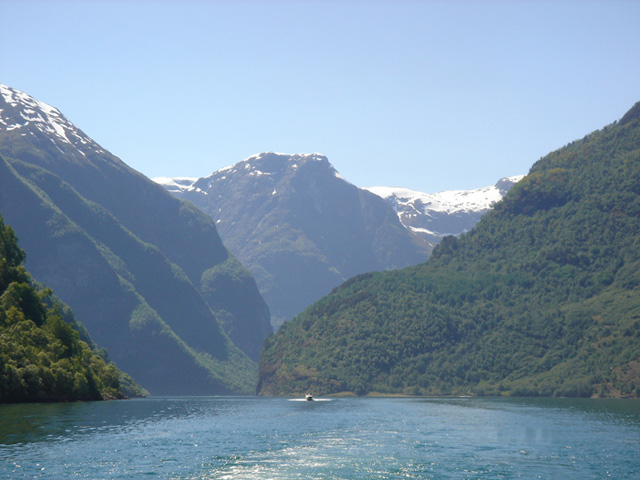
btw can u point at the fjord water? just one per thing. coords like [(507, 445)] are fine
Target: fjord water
[(344, 438)]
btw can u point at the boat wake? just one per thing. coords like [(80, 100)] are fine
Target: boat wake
[(314, 400)]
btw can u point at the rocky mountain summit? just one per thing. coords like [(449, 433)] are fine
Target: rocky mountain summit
[(299, 226), (302, 229)]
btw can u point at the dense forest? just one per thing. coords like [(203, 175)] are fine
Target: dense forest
[(42, 358), (542, 298)]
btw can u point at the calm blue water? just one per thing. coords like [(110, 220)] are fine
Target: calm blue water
[(274, 438)]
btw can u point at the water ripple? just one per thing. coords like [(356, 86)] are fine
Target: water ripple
[(256, 438)]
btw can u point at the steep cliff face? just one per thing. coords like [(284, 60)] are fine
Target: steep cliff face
[(299, 227), (139, 267)]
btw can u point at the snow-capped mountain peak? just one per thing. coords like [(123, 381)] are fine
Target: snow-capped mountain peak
[(270, 176), (267, 168), (435, 215), (23, 113), (271, 163), (451, 201)]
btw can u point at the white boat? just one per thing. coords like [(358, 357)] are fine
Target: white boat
[(308, 397)]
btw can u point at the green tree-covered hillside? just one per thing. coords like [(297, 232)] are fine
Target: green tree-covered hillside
[(42, 358), (541, 298)]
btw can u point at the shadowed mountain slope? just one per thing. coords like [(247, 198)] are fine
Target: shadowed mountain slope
[(45, 355), (142, 270)]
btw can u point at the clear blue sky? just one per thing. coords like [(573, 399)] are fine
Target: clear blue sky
[(425, 95)]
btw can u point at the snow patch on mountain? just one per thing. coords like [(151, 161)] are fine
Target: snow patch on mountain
[(436, 215), (452, 201), (428, 216), (274, 163), (422, 231), (266, 165), (21, 111), (176, 184)]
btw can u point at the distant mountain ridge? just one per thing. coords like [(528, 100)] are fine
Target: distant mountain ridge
[(262, 190), (146, 274), (434, 216), (299, 226)]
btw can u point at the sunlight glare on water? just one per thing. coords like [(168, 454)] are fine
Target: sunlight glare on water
[(346, 438)]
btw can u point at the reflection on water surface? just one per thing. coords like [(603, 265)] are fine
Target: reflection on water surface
[(248, 437)]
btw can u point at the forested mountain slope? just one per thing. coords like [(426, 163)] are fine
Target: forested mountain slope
[(42, 358), (299, 226), (146, 273), (542, 297)]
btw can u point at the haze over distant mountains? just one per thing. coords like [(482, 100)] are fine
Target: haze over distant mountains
[(147, 274), (302, 229), (541, 298), (299, 227)]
